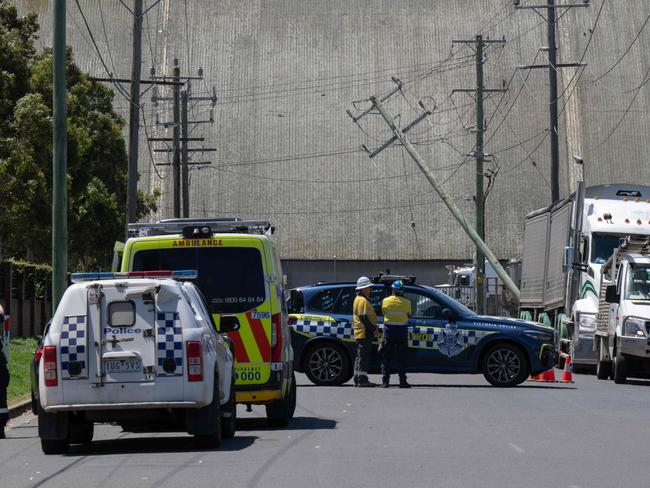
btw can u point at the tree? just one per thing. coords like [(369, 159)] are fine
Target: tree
[(97, 159)]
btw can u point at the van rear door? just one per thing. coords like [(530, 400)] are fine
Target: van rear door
[(125, 336)]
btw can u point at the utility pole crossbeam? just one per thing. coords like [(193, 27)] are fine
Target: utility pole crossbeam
[(446, 199), (479, 155), (551, 22)]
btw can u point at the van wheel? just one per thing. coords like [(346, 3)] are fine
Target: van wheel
[(212, 440), (229, 412), (505, 365), (55, 446), (620, 373), (279, 413), (327, 364), (54, 431)]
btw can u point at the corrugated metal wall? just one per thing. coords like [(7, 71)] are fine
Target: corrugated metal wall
[(286, 71)]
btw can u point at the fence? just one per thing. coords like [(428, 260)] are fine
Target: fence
[(498, 300), (25, 290)]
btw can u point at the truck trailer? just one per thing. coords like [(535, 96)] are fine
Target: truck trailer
[(565, 247)]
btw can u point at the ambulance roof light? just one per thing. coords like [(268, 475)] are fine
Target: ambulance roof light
[(186, 274)]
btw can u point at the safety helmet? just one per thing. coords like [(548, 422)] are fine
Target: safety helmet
[(398, 287), (363, 282)]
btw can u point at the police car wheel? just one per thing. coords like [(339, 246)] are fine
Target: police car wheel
[(505, 365), (327, 364), (55, 446), (212, 440)]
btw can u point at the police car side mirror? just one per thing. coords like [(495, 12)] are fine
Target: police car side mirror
[(228, 323), (448, 315)]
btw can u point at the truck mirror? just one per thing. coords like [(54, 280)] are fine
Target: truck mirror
[(228, 323), (610, 294)]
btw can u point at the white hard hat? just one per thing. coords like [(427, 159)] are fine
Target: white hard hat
[(363, 282)]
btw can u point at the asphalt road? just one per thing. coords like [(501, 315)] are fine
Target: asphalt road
[(447, 431)]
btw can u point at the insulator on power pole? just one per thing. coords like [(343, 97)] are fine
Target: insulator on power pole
[(214, 95), (152, 71), (200, 72), (211, 115)]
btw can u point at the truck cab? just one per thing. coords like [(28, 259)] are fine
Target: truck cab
[(623, 348)]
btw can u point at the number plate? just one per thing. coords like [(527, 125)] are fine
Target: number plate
[(123, 366)]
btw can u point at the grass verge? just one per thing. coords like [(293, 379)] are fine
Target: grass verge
[(22, 352)]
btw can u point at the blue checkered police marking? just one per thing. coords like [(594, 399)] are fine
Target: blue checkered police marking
[(169, 337), (341, 330), (73, 347)]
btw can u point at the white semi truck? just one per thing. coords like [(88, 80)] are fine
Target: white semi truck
[(623, 326), (565, 247)]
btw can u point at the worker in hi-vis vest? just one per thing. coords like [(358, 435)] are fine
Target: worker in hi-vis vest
[(396, 310), (365, 326)]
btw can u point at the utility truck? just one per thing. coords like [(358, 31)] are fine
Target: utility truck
[(621, 344), (565, 248)]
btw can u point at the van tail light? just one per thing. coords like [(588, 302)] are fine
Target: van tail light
[(38, 354), (276, 338), (49, 366), (194, 361)]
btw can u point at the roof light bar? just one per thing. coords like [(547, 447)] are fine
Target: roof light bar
[(185, 274)]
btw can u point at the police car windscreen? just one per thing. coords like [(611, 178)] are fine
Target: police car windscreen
[(231, 278)]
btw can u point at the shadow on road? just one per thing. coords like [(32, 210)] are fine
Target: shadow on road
[(155, 444), (638, 382), (549, 386), (296, 423)]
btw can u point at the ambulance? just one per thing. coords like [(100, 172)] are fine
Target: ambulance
[(240, 274)]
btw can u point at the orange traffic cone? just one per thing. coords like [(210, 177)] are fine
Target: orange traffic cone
[(534, 378), (548, 376), (567, 374)]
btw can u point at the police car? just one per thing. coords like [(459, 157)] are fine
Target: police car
[(139, 350), (444, 336)]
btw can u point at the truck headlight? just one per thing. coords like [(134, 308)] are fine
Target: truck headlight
[(634, 327), (539, 335), (586, 322)]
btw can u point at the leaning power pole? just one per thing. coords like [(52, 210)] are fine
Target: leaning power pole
[(59, 157), (176, 169), (134, 115), (552, 66), (479, 154)]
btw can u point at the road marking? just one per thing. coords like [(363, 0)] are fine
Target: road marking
[(515, 447)]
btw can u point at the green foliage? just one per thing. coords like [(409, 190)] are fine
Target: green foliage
[(22, 352), (37, 277), (96, 154)]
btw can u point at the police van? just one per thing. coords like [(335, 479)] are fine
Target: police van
[(139, 350), (240, 274)]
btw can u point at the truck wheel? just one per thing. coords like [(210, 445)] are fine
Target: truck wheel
[(327, 364), (620, 374), (280, 412), (211, 440), (505, 365), (603, 367), (229, 412)]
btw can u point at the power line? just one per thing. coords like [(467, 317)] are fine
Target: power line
[(627, 110)]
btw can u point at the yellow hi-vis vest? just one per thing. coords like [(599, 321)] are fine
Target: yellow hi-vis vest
[(396, 310)]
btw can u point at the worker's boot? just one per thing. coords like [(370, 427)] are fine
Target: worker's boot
[(403, 383), (364, 383)]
